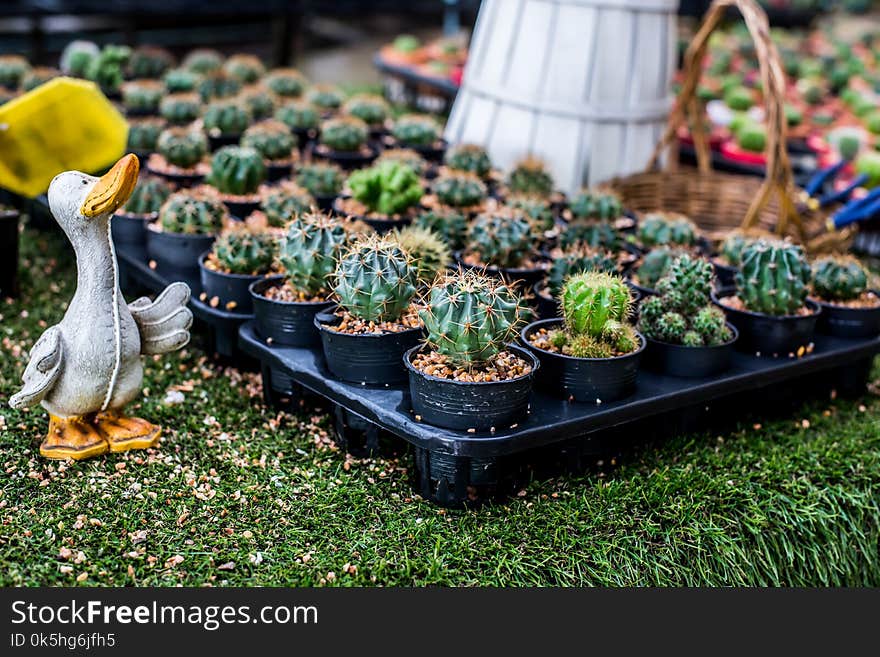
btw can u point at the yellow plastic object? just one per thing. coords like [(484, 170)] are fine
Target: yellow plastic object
[(61, 125)]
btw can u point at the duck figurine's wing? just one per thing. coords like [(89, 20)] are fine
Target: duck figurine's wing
[(42, 370), (163, 323)]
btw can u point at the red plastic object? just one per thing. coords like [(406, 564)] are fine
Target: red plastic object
[(731, 150)]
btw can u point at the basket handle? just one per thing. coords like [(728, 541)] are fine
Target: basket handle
[(779, 174)]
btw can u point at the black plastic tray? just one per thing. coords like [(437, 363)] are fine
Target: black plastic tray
[(410, 86), (455, 467), (221, 326)]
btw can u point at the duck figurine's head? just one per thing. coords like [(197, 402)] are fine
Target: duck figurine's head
[(82, 204)]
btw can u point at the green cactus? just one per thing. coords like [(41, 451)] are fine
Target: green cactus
[(76, 57), (406, 43), (502, 238), (537, 209), (142, 95), (247, 69), (321, 179), (237, 170), (793, 116), (375, 280), (470, 158), (285, 201), (415, 130), (344, 133), (217, 86), (812, 90), (667, 228), (179, 80), (369, 108), (244, 252), (143, 134), (203, 60), (387, 189), (192, 213), (309, 252), (148, 196), (259, 102), (575, 261), (286, 82), (470, 317), (271, 138), (596, 234), (839, 278), (459, 189), (12, 70), (406, 156), (180, 108), (326, 97), (711, 325), (655, 264), (868, 163), (298, 115), (601, 204), (752, 137), (872, 122), (37, 76), (530, 176), (429, 253), (226, 117), (182, 147), (736, 240), (149, 62), (688, 282), (449, 224), (596, 304), (773, 278), (106, 70), (739, 99)]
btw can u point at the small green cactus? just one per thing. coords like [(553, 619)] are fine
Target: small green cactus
[(286, 82), (667, 228), (244, 252), (655, 264), (736, 240), (595, 234), (182, 147), (813, 90), (325, 97), (459, 189), (76, 57), (271, 138), (773, 278), (752, 137), (689, 280), (375, 280), (429, 253), (868, 163), (12, 70), (321, 179), (217, 86), (502, 238), (143, 134), (604, 205), (344, 133), (537, 209), (577, 260), (309, 252), (259, 102), (406, 43), (148, 196), (470, 317), (596, 304), (415, 130), (179, 80), (470, 158), (180, 108), (369, 108), (237, 170), (106, 70), (839, 278), (192, 213), (739, 99), (448, 223), (529, 176), (226, 117), (149, 62), (203, 60), (247, 69), (387, 189), (37, 76), (298, 115), (284, 202), (406, 156), (142, 96)]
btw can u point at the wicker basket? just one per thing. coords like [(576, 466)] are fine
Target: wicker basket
[(719, 202)]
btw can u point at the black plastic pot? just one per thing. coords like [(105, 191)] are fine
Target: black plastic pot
[(233, 290), (432, 152), (290, 324), (768, 335), (594, 380), (9, 252), (525, 278), (240, 209), (381, 226), (276, 171), (177, 251), (130, 228), (305, 137), (689, 362), (464, 406), (725, 275), (348, 160), (216, 142), (179, 180), (641, 290), (545, 304), (367, 359), (326, 203), (844, 322)]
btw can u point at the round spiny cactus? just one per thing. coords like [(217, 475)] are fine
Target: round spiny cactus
[(237, 170), (321, 179), (143, 134), (375, 280), (537, 209), (244, 252), (226, 117), (428, 251), (179, 80), (447, 223), (577, 260), (247, 69), (501, 239), (271, 138), (595, 234), (309, 252), (655, 264), (326, 97), (12, 70), (76, 57), (599, 204), (148, 196), (369, 108), (416, 130), (259, 102), (752, 137), (406, 156), (667, 228), (182, 147), (344, 133), (142, 95), (286, 82), (218, 85), (298, 115), (459, 189), (387, 189), (773, 278), (839, 278), (192, 213), (736, 240), (529, 176), (203, 60), (739, 99), (284, 202), (181, 108), (470, 158), (149, 62), (470, 317)]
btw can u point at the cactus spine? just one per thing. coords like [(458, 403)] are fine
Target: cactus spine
[(773, 278)]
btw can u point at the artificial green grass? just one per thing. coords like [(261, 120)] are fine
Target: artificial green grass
[(239, 494)]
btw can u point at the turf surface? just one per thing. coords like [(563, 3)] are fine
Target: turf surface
[(239, 494)]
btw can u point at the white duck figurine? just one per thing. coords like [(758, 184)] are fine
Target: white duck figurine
[(87, 368)]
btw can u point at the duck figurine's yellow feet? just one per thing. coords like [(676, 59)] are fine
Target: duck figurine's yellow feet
[(73, 438), (125, 433)]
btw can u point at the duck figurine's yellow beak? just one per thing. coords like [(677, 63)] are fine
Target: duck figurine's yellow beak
[(113, 188)]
